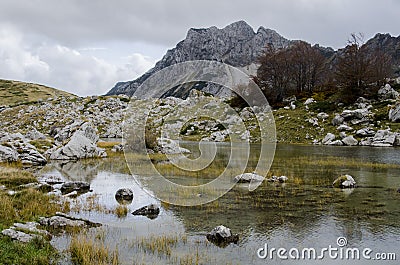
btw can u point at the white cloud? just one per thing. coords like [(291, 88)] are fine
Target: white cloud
[(17, 62), (63, 67)]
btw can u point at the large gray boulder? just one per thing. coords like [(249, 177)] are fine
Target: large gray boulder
[(383, 138), (365, 132), (350, 141), (394, 113), (337, 120), (82, 144), (328, 138), (26, 152)]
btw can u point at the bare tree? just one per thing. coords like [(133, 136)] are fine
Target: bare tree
[(292, 70), (306, 66), (273, 74), (360, 71)]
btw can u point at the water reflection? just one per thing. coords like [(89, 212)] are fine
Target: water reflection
[(307, 213)]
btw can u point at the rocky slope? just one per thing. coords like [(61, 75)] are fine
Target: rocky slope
[(237, 44), (70, 128), (59, 128)]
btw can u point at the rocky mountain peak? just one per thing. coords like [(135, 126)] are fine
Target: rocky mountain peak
[(236, 44)]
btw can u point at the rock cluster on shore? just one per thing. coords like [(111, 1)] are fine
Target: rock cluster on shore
[(69, 129)]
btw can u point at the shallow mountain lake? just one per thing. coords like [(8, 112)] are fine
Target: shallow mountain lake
[(303, 213)]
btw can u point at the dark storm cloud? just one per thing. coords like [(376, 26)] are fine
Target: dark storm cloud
[(165, 22)]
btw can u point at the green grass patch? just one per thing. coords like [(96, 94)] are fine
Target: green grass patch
[(12, 178), (37, 252), (42, 145), (14, 93)]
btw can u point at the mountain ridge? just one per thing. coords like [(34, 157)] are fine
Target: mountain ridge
[(238, 45)]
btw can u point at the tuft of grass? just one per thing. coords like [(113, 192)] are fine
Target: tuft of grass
[(107, 145), (12, 178), (161, 245), (88, 204), (7, 213), (121, 211), (27, 205), (88, 251)]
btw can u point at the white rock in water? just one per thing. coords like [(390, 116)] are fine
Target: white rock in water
[(169, 146), (282, 179), (345, 181), (248, 177), (222, 231)]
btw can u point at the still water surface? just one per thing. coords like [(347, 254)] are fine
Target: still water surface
[(306, 212)]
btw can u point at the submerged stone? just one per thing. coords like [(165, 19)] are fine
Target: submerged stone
[(124, 196), (151, 211)]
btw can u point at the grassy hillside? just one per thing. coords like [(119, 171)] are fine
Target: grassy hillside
[(16, 92)]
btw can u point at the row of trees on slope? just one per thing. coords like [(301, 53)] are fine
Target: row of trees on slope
[(302, 69)]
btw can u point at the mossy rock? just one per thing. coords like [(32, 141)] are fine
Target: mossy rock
[(344, 181)]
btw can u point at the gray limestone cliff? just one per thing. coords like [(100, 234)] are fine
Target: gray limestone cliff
[(237, 44)]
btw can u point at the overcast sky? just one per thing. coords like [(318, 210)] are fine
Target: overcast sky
[(85, 46)]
